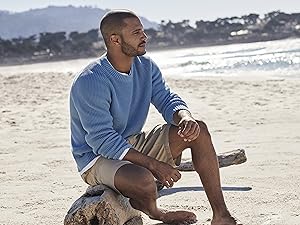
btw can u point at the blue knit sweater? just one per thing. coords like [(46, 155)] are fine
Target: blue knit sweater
[(106, 107)]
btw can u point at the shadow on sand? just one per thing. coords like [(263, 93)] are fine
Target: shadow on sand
[(169, 191)]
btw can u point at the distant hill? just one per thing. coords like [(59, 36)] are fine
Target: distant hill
[(53, 19)]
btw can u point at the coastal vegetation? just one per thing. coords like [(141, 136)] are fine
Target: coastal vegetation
[(62, 45)]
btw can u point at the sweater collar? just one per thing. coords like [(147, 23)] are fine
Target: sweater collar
[(112, 67)]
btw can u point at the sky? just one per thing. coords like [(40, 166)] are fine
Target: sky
[(175, 10)]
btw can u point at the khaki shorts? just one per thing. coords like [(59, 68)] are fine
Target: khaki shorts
[(154, 143)]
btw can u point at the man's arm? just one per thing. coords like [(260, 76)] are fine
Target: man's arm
[(160, 170), (165, 101)]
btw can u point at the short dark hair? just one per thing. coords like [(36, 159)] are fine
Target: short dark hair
[(113, 22)]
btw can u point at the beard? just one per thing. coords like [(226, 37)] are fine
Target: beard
[(129, 50)]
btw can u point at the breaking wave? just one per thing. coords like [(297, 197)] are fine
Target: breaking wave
[(281, 58)]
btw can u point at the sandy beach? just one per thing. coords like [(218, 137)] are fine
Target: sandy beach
[(38, 176)]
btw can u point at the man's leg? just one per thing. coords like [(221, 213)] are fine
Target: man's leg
[(137, 183), (206, 165)]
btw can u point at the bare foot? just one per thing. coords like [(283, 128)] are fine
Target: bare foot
[(177, 217), (228, 220)]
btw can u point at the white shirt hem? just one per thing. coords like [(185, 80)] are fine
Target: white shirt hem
[(91, 163)]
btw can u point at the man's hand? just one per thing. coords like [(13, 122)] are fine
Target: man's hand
[(188, 129), (165, 173)]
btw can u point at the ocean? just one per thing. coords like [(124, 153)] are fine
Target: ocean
[(279, 59), (273, 58)]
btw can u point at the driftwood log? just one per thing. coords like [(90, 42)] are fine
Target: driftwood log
[(225, 159), (102, 206)]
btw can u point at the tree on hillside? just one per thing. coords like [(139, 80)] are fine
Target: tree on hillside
[(52, 42), (84, 43), (250, 19), (175, 33)]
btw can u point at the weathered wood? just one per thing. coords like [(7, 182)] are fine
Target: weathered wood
[(102, 206), (225, 159)]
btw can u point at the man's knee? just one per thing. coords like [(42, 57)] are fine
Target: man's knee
[(136, 179), (203, 128), (145, 186), (145, 181)]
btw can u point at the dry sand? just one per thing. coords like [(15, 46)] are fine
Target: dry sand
[(38, 177)]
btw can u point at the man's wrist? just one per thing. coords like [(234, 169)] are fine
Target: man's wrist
[(140, 159), (181, 114)]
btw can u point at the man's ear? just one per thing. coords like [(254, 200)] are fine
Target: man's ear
[(115, 39)]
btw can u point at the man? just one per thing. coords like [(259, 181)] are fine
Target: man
[(109, 103)]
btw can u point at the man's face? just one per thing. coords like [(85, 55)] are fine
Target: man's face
[(133, 38)]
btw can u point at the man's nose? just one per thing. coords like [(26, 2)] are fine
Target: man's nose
[(144, 37)]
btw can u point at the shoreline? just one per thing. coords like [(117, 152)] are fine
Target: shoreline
[(47, 68), (26, 61)]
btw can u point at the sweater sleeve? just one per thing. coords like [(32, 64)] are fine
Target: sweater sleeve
[(165, 101), (91, 97)]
